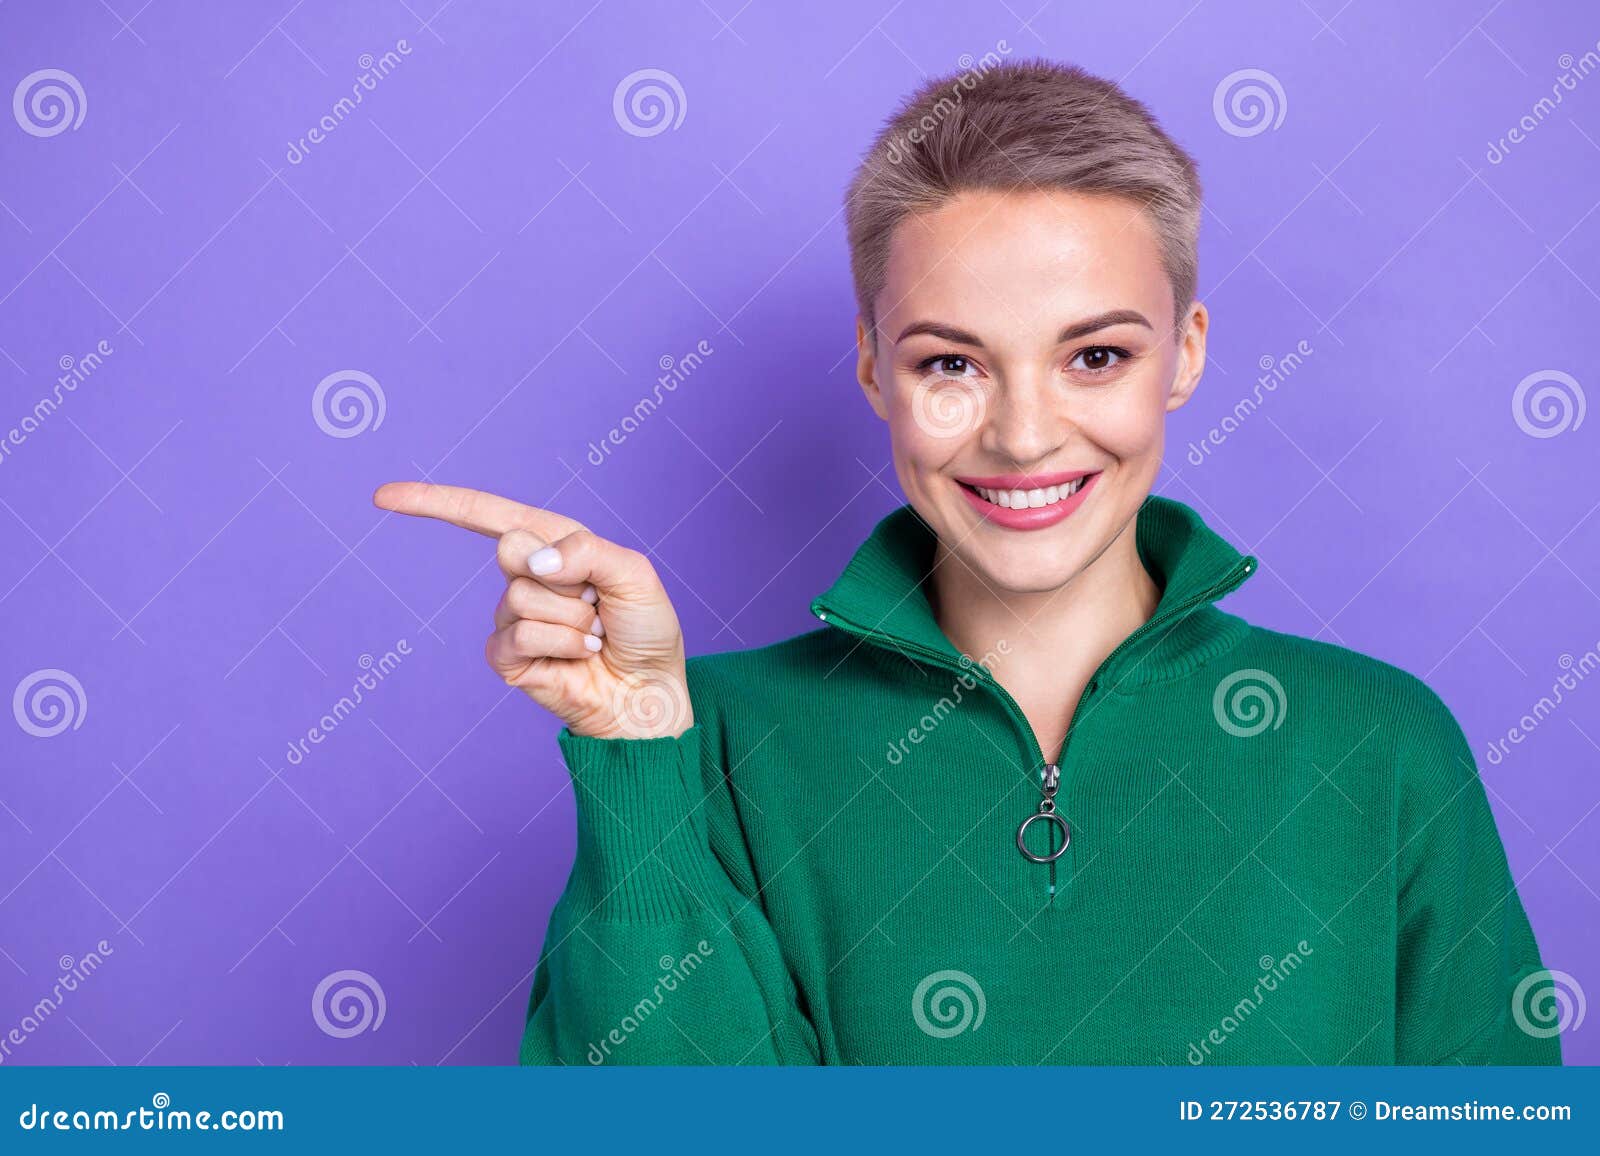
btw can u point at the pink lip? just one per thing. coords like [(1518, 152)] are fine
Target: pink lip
[(1028, 517), (1025, 481)]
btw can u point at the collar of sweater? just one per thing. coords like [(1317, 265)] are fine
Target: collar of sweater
[(881, 595)]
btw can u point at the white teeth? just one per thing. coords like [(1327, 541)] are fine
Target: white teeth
[(1031, 499)]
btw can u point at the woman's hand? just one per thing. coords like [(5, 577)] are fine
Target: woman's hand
[(584, 626)]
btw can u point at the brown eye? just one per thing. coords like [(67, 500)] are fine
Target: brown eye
[(948, 365), (1098, 358)]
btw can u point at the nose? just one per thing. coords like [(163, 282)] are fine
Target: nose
[(1026, 420)]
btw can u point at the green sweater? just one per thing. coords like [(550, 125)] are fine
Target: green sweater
[(1279, 852)]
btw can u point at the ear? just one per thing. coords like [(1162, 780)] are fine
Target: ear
[(1191, 356), (867, 368)]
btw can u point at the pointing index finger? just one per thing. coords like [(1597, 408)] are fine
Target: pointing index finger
[(483, 513)]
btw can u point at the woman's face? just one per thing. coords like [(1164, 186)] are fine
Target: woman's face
[(1026, 359)]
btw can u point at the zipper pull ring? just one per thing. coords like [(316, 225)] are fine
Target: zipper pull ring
[(1050, 782)]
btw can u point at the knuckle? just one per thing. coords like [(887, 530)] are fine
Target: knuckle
[(526, 634), (519, 593), (638, 567), (491, 655)]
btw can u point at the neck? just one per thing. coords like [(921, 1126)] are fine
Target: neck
[(1043, 647)]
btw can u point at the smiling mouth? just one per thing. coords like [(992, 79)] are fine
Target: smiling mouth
[(1036, 498)]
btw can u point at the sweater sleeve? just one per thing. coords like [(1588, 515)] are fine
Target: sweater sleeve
[(1467, 966), (653, 955)]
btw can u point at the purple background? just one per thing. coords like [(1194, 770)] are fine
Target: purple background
[(483, 238)]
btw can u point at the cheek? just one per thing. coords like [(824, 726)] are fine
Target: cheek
[(1128, 422), (927, 429)]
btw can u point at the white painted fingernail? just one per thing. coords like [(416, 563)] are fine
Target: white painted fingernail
[(545, 561), (592, 642), (598, 628), (590, 595)]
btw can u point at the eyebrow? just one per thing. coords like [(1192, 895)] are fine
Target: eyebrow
[(1072, 332)]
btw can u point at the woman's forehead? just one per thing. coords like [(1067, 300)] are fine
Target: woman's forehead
[(1031, 259)]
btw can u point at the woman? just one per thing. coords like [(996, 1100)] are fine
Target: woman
[(1026, 795)]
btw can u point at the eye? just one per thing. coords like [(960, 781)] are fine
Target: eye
[(1099, 358), (948, 365)]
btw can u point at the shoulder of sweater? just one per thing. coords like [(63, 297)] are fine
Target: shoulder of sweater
[(1327, 665), (1413, 718), (797, 655)]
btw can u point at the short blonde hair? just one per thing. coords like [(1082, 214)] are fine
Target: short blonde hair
[(1021, 126)]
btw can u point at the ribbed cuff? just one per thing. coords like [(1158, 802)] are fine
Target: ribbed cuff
[(642, 850)]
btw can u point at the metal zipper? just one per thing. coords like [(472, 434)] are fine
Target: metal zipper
[(1049, 773)]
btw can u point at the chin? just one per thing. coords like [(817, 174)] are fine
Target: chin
[(1031, 569)]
